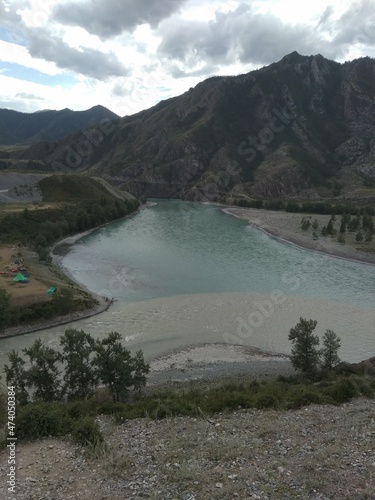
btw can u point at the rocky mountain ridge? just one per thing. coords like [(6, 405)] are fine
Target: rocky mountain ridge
[(302, 127), (52, 125)]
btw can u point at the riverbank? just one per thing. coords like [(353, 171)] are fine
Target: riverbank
[(286, 227), (216, 362), (42, 276)]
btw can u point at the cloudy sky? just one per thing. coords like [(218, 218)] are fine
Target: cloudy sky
[(129, 54)]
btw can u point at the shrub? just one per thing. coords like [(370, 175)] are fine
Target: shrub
[(304, 397), (266, 401), (87, 432), (78, 409), (343, 390), (42, 420)]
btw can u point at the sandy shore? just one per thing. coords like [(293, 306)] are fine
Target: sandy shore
[(216, 362), (287, 228)]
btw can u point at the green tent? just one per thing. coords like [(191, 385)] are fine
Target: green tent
[(51, 290), (19, 278)]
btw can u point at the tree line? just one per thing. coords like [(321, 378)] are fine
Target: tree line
[(308, 207), (361, 224), (40, 228), (77, 370)]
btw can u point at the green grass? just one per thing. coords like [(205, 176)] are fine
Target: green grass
[(37, 420), (70, 188)]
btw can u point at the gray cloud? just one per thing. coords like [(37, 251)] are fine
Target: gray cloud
[(8, 11), (357, 24), (242, 35), (86, 61), (111, 18), (25, 95), (176, 72), (11, 22)]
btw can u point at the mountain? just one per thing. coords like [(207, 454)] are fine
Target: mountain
[(303, 127), (20, 128)]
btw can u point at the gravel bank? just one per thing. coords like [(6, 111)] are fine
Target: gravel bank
[(287, 227)]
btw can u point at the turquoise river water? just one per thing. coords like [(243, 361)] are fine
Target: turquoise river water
[(186, 273)]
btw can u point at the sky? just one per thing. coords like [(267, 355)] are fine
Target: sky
[(128, 55)]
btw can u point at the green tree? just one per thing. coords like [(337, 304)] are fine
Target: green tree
[(4, 308), (359, 236), (330, 228), (114, 365), (43, 377), (26, 214), (305, 224), (140, 370), (354, 224), (80, 378), (332, 344), (368, 238), (305, 355), (15, 375), (341, 238), (315, 224), (40, 241), (63, 301)]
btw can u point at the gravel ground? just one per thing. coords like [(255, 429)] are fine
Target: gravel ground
[(317, 452), (216, 361), (19, 187)]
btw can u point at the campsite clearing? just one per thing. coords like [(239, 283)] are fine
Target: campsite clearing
[(21, 293)]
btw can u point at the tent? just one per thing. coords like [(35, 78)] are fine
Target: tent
[(19, 278), (51, 290)]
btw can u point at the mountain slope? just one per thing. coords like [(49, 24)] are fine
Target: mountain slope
[(302, 127), (19, 128)]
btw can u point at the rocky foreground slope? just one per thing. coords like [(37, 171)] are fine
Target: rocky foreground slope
[(317, 452)]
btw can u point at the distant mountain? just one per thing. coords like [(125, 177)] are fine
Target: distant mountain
[(302, 127), (50, 125)]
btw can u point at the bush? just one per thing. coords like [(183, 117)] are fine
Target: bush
[(78, 409), (343, 390), (87, 432), (42, 420), (266, 401), (304, 397)]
